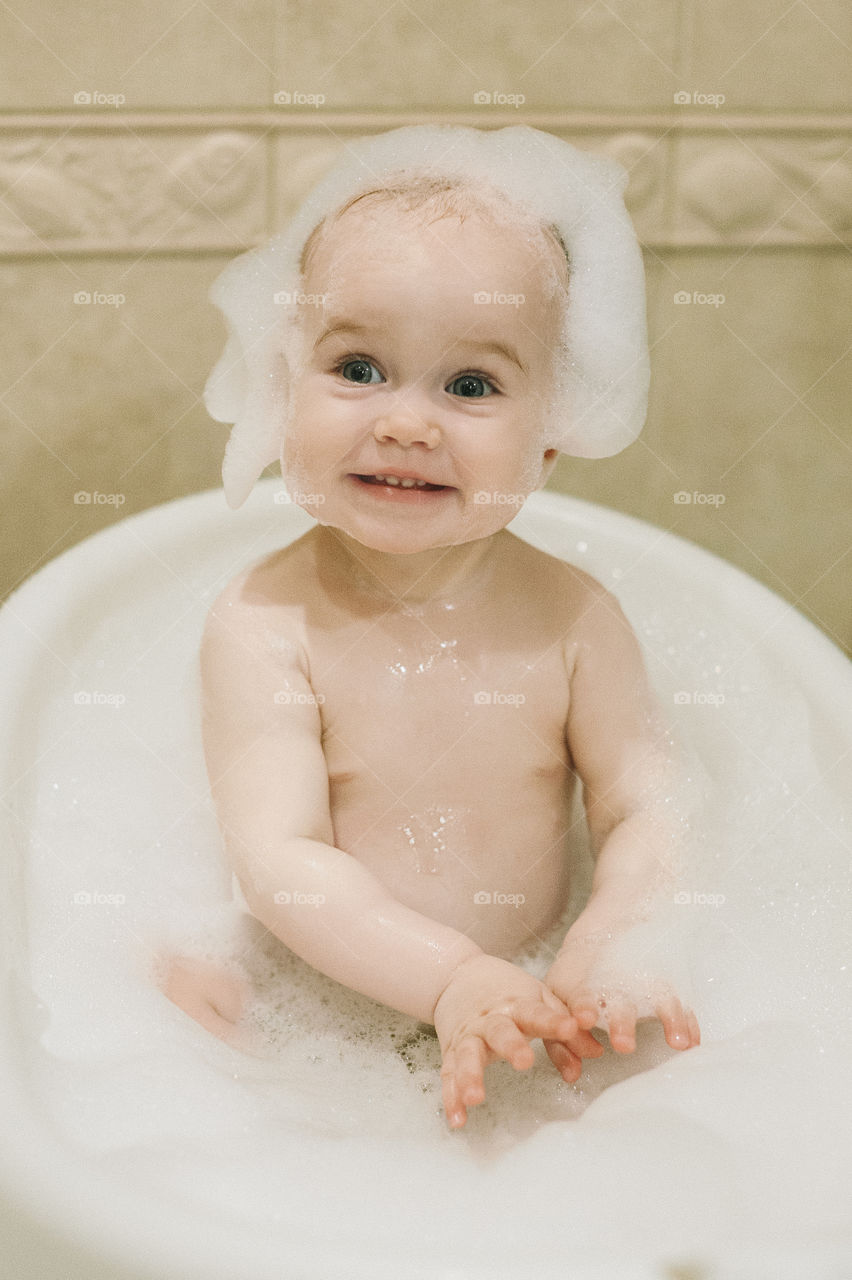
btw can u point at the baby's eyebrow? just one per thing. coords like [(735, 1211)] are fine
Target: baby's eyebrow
[(499, 347), (345, 326)]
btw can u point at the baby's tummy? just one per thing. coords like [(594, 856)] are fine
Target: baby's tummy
[(491, 861)]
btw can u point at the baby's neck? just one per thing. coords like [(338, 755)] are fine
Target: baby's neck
[(441, 574)]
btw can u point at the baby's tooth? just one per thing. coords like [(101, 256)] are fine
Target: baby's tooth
[(391, 480), (407, 484)]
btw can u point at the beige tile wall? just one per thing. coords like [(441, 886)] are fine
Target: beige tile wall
[(138, 203)]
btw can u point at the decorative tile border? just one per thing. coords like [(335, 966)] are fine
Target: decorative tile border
[(112, 182), (130, 191)]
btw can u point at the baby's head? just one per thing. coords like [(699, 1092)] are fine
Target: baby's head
[(461, 306), (427, 346)]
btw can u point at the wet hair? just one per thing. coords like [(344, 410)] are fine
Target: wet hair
[(433, 197)]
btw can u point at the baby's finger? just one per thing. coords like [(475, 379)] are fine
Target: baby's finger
[(675, 1023), (622, 1026), (566, 1063), (455, 1112), (471, 1057), (586, 1008), (694, 1030), (584, 1045), (507, 1041), (537, 1019)]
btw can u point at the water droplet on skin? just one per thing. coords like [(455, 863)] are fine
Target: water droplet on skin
[(277, 643), (429, 835)]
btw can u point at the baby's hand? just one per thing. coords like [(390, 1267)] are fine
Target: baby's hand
[(601, 992), (492, 1009)]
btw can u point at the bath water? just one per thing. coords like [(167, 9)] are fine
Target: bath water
[(735, 1154)]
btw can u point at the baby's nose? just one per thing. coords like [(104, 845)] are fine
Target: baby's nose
[(405, 428)]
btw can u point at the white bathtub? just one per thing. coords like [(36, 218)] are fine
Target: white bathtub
[(732, 1157)]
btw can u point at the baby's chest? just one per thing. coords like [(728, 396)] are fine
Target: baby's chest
[(441, 711)]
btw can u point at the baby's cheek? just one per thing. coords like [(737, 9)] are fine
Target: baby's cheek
[(506, 480)]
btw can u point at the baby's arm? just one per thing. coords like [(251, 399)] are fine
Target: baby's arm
[(635, 799), (268, 775)]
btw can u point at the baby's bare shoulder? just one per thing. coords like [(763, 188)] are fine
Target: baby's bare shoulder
[(259, 611)]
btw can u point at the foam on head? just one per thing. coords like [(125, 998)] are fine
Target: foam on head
[(559, 197)]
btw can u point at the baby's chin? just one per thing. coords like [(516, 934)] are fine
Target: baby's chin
[(405, 535), (401, 543)]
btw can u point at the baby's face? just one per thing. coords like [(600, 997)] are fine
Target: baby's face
[(406, 374)]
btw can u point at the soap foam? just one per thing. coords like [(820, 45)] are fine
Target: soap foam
[(603, 369), (336, 1117)]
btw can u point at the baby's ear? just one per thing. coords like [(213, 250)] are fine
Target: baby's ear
[(548, 462)]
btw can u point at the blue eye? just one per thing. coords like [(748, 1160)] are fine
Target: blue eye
[(473, 385), (361, 371)]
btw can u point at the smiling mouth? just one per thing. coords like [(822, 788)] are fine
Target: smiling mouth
[(394, 482)]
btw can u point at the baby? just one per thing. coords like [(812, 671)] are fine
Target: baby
[(399, 706)]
